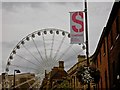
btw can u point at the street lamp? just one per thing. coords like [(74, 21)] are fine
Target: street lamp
[(118, 82), (17, 71), (118, 77)]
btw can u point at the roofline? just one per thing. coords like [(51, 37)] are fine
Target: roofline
[(106, 29)]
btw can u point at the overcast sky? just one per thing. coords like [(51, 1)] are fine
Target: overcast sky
[(21, 18)]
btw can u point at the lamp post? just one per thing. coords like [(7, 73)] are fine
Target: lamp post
[(17, 71), (87, 46)]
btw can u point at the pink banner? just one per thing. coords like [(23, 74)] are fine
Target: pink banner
[(76, 27)]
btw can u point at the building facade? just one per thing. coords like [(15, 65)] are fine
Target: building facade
[(54, 78), (107, 55), (73, 81)]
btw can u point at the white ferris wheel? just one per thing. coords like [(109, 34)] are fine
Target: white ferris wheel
[(40, 51)]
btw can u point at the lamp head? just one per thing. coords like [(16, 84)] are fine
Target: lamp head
[(17, 71)]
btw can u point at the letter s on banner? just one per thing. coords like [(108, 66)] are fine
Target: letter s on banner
[(76, 27)]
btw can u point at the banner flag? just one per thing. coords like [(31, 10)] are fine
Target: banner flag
[(76, 27)]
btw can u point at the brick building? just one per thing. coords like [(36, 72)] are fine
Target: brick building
[(107, 55)]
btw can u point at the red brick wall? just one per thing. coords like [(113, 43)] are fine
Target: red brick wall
[(103, 65), (114, 53), (108, 51)]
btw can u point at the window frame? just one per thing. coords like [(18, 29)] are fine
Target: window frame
[(118, 24)]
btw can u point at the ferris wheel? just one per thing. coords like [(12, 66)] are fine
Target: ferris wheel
[(40, 51)]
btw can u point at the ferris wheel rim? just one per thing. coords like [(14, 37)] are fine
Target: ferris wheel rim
[(30, 35)]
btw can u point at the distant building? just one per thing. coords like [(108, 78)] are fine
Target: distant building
[(0, 82), (23, 81), (107, 55), (54, 77)]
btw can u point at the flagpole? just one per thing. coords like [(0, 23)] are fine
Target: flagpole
[(87, 45)]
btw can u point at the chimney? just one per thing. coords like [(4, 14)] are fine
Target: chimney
[(61, 65), (3, 76)]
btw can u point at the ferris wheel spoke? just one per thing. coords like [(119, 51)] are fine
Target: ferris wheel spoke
[(24, 67), (64, 53), (35, 58), (37, 49), (72, 56), (27, 60), (27, 81), (67, 59), (45, 50), (59, 48), (74, 50), (44, 46), (34, 84), (53, 38), (31, 54), (38, 52)]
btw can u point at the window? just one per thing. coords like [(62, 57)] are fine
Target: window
[(74, 80), (106, 85), (111, 38), (104, 47), (118, 63), (113, 71), (100, 57), (98, 86), (97, 61), (118, 24), (101, 83), (71, 82)]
